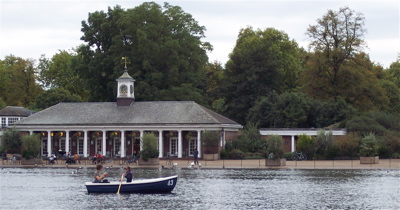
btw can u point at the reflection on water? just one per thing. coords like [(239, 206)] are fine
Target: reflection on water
[(62, 188)]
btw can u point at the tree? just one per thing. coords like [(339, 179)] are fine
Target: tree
[(52, 97), (60, 72), (162, 44), (338, 68), (17, 81), (261, 62), (297, 110), (11, 141), (214, 77)]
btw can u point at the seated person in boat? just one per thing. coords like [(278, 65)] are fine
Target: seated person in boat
[(99, 175), (127, 174)]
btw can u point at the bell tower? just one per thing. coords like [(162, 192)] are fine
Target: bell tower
[(125, 90)]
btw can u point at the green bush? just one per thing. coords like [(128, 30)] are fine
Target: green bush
[(347, 145), (369, 146), (236, 154), (11, 141), (288, 155), (149, 142), (324, 141), (210, 141), (28, 154), (274, 146), (30, 146), (249, 139), (307, 145), (224, 154)]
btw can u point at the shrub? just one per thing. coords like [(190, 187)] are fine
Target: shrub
[(307, 145), (274, 146), (369, 146), (224, 154), (324, 141), (250, 139), (30, 146), (347, 145), (288, 155), (149, 142), (236, 154), (210, 141), (11, 141)]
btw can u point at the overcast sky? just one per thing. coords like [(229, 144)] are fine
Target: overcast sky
[(31, 28)]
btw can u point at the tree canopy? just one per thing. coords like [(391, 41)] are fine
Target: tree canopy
[(18, 86), (162, 44), (262, 61)]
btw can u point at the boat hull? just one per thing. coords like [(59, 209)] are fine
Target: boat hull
[(156, 185)]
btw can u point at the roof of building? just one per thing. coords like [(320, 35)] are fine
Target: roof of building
[(139, 113), (15, 111)]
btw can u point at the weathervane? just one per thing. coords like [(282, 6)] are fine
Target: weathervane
[(125, 61)]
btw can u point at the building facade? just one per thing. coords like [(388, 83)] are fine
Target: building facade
[(114, 129), (290, 135)]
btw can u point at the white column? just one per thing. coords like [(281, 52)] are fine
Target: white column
[(123, 143), (160, 144), (48, 142), (30, 132), (141, 137), (179, 144), (104, 143), (293, 146), (67, 142), (85, 143), (199, 142)]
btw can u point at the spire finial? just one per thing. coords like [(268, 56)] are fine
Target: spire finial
[(125, 61)]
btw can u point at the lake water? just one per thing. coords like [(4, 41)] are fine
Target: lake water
[(63, 188)]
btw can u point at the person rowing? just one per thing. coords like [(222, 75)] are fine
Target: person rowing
[(127, 174)]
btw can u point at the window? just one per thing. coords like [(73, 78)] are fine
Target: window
[(12, 120), (174, 146), (3, 122), (44, 146), (192, 145), (80, 146)]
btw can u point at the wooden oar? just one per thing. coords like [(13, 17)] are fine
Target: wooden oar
[(120, 183)]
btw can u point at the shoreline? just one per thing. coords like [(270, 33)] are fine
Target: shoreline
[(393, 164)]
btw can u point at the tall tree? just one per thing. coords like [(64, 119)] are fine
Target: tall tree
[(18, 85), (162, 44), (262, 61), (338, 68)]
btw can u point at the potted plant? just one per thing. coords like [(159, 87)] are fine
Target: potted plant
[(30, 149), (210, 141), (369, 150), (274, 153), (149, 154)]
